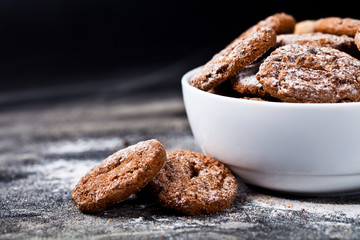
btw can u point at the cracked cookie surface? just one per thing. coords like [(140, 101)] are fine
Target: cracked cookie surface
[(119, 176), (240, 53), (343, 43), (338, 26), (308, 74), (194, 183)]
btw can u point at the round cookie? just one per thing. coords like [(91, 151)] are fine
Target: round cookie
[(343, 43), (306, 26), (308, 74), (119, 176), (357, 39), (245, 82), (193, 183), (338, 26), (237, 55), (281, 23)]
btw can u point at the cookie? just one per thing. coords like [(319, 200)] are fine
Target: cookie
[(308, 74), (343, 43), (357, 39), (225, 89), (306, 26), (338, 26), (237, 55), (119, 176), (245, 82), (281, 23), (255, 99), (193, 183)]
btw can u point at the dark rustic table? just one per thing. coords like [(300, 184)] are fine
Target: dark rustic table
[(51, 137)]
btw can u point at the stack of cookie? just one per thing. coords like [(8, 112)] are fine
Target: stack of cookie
[(189, 182), (313, 61)]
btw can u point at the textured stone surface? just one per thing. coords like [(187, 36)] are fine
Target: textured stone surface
[(47, 146)]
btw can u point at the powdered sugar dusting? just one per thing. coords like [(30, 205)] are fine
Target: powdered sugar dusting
[(83, 145), (64, 172), (194, 183), (247, 77), (237, 55), (246, 82), (317, 208), (298, 73), (343, 42)]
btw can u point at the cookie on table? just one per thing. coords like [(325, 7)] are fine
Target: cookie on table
[(240, 53), (309, 74), (119, 176), (245, 82), (193, 183), (343, 43), (357, 39), (338, 26), (306, 26)]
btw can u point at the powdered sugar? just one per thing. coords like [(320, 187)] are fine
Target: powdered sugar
[(194, 183), (247, 76), (343, 43), (299, 73), (320, 209), (82, 145), (66, 172), (238, 54)]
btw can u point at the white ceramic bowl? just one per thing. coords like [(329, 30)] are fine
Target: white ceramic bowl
[(292, 147)]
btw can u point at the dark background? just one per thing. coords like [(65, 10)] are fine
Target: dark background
[(46, 43)]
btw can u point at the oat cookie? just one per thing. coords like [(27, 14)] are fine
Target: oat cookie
[(245, 82), (194, 183), (237, 55), (338, 26), (306, 26), (357, 39), (119, 176), (308, 74), (343, 43)]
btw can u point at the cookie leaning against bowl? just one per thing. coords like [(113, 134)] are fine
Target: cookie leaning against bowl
[(308, 74), (241, 52), (193, 183), (119, 176), (338, 26)]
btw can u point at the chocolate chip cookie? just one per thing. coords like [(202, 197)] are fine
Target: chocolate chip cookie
[(338, 26), (309, 74), (245, 82), (119, 176), (194, 183), (240, 53), (281, 23), (343, 43)]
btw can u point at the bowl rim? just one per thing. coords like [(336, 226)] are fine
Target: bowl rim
[(185, 83)]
